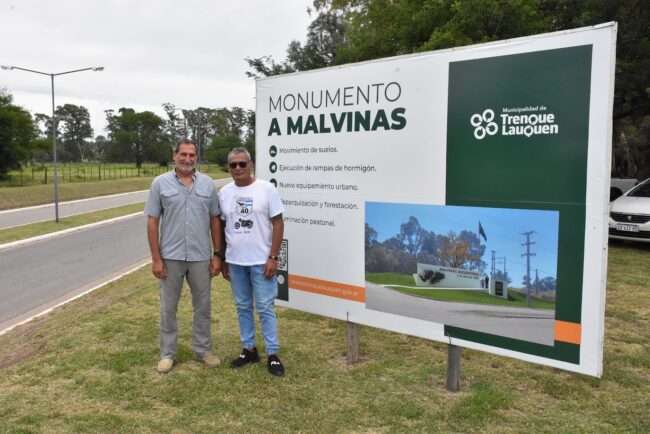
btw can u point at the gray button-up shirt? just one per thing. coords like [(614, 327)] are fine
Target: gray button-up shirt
[(185, 215)]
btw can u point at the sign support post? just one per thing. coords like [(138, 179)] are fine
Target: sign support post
[(453, 368), (353, 343)]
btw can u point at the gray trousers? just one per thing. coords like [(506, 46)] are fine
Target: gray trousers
[(198, 277)]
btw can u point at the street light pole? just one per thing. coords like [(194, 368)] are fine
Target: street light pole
[(55, 166)]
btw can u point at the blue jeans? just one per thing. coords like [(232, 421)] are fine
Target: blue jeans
[(249, 286)]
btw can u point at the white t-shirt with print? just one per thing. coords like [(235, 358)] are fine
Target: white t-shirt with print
[(247, 212)]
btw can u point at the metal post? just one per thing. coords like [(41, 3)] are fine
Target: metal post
[(56, 177), (453, 368), (52, 75), (353, 343), (198, 146)]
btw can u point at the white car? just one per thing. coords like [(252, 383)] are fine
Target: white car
[(629, 215), (618, 186)]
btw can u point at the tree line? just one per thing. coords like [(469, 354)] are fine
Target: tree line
[(401, 252), (132, 136), (345, 31), (413, 243)]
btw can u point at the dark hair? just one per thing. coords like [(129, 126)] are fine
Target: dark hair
[(184, 142)]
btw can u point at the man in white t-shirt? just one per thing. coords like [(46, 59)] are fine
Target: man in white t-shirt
[(252, 211)]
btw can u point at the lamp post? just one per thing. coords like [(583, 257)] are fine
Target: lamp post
[(52, 75)]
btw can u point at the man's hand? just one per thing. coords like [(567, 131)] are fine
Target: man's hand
[(158, 269), (270, 268), (215, 266), (224, 270)]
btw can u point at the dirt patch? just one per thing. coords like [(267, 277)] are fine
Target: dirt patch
[(22, 343)]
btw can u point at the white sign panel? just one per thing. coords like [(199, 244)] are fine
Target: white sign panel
[(492, 158)]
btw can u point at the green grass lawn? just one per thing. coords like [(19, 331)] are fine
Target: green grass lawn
[(41, 228), (397, 281), (90, 367), (19, 197), (36, 174), (391, 279)]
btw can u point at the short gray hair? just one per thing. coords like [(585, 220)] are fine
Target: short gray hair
[(178, 144), (239, 151)]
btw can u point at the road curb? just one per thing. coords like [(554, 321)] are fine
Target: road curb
[(139, 265), (65, 231), (45, 205)]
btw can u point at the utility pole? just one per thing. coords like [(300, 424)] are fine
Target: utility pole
[(493, 270), (502, 259), (536, 284), (528, 243)]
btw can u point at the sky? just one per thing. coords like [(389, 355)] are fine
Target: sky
[(188, 53), (503, 229)]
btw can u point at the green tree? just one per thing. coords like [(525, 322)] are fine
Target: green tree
[(504, 276), (74, 123), (325, 35), (475, 250), (98, 147), (370, 237), (411, 235), (41, 149), (136, 137), (175, 124), (17, 131), (371, 29), (43, 124), (221, 147), (213, 130), (547, 284)]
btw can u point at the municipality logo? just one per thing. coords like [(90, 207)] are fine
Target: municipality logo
[(483, 124), (515, 121)]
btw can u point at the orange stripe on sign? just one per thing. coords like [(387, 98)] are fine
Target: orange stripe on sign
[(570, 332), (325, 287)]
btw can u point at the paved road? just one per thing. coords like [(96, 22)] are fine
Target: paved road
[(25, 216), (533, 325), (38, 275)]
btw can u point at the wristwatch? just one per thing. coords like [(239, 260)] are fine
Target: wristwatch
[(219, 254), (275, 258)]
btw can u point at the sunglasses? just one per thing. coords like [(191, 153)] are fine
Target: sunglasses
[(241, 164)]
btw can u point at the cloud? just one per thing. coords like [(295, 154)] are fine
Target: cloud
[(188, 53)]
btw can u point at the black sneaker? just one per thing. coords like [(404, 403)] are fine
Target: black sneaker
[(245, 358), (275, 366)]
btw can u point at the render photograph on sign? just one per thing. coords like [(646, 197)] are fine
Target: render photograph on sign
[(456, 195), (436, 263)]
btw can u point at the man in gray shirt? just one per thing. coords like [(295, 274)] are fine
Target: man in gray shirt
[(183, 224)]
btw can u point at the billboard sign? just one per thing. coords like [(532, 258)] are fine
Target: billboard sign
[(491, 160)]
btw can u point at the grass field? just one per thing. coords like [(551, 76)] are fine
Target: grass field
[(90, 367), (37, 174), (41, 228), (20, 197), (399, 281)]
